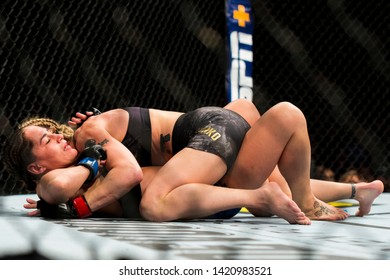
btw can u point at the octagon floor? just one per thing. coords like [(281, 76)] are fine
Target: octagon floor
[(242, 238)]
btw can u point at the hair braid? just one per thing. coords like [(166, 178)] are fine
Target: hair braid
[(18, 153)]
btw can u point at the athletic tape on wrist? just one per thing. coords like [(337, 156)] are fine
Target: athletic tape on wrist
[(93, 166), (81, 207)]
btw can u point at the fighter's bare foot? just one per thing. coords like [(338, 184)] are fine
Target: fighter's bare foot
[(325, 212), (275, 201), (366, 193)]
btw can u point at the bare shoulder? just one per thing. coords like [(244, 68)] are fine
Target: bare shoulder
[(114, 122), (108, 116), (100, 128)]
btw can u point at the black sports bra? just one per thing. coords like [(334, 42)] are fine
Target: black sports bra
[(138, 137)]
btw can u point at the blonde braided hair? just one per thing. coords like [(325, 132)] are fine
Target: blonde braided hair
[(18, 154), (50, 124)]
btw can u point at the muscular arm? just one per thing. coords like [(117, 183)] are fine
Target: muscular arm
[(58, 185), (123, 169)]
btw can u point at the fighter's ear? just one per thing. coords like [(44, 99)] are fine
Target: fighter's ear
[(35, 168)]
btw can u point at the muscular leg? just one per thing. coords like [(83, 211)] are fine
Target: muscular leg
[(171, 195), (326, 191), (280, 138), (365, 193)]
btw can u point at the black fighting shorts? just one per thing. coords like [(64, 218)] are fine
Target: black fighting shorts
[(211, 129)]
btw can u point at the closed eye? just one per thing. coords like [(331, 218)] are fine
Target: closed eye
[(45, 139)]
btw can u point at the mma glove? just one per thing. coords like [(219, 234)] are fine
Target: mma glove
[(76, 208), (56, 211), (79, 207), (94, 111), (90, 158)]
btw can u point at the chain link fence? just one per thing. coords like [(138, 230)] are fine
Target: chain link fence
[(330, 58)]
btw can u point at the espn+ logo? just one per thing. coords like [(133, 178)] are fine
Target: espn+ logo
[(241, 55)]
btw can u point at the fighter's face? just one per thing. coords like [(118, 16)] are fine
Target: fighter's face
[(51, 150)]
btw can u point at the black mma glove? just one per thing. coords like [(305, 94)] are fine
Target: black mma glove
[(90, 157), (94, 111), (73, 209), (56, 211)]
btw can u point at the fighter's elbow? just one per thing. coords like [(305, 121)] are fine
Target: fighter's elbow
[(138, 174), (135, 176)]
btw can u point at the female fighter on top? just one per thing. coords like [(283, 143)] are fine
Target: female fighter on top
[(279, 137)]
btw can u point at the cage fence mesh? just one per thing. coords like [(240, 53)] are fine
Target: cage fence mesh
[(330, 58)]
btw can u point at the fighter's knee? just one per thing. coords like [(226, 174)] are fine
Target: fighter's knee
[(245, 108), (152, 209), (290, 114), (240, 102), (291, 108)]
